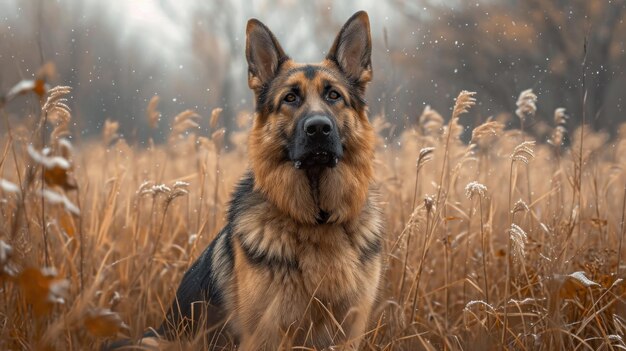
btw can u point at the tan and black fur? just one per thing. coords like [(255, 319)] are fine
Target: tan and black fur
[(301, 251)]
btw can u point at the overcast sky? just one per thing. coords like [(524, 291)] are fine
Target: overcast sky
[(161, 27), (154, 40)]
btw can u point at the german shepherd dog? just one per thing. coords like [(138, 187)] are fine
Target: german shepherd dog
[(299, 260)]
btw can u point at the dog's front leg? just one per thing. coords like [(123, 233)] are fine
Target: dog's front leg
[(356, 324), (358, 316), (264, 333)]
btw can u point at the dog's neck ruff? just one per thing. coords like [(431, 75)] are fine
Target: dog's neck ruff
[(313, 174)]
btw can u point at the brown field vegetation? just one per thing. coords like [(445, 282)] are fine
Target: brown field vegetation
[(506, 242)]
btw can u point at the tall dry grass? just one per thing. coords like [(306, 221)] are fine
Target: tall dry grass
[(507, 242)]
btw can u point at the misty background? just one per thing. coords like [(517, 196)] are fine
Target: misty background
[(117, 54)]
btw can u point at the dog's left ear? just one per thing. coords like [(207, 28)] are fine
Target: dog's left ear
[(352, 49)]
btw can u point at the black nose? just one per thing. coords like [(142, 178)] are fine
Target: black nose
[(318, 126)]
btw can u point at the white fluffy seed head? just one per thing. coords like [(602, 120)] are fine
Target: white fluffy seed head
[(475, 188), (526, 104)]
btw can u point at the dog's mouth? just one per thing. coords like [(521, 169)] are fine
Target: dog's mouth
[(317, 159)]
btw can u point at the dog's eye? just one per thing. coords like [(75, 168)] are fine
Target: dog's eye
[(291, 97), (333, 95)]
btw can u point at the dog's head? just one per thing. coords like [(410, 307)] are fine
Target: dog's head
[(311, 145)]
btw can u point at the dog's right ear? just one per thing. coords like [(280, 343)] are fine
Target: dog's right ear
[(263, 53)]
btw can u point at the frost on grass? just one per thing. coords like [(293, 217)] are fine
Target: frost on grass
[(520, 206), (56, 198), (575, 284), (475, 188), (5, 253), (49, 162), (474, 303), (9, 187), (179, 188), (581, 278)]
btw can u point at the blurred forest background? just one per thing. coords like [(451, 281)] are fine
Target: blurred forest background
[(117, 54)]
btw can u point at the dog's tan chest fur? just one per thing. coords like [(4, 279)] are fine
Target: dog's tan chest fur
[(289, 276)]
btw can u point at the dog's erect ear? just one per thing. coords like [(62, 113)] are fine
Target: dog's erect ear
[(264, 54), (352, 48)]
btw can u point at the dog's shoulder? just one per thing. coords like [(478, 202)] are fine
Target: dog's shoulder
[(242, 198)]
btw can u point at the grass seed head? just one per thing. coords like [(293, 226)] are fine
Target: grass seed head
[(161, 189), (463, 103), (145, 186), (430, 122), (176, 192), (560, 117), (518, 239), (560, 129), (475, 188), (425, 155), (520, 206), (183, 122), (526, 105), (429, 203), (523, 152), (153, 115), (218, 138), (109, 132), (215, 117), (65, 147), (485, 133), (56, 99)]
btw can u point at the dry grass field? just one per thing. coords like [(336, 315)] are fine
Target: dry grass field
[(504, 243)]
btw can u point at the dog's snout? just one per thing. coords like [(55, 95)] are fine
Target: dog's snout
[(318, 126), (316, 142)]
